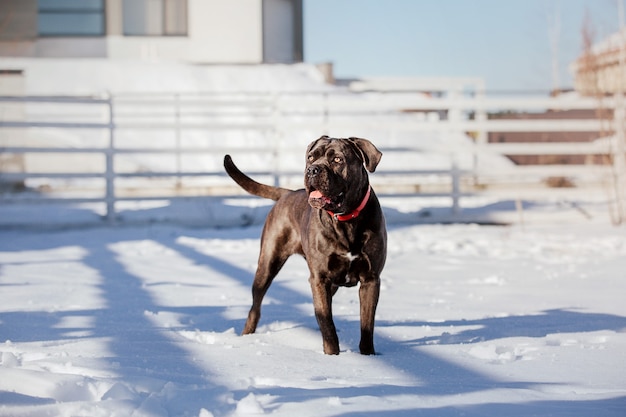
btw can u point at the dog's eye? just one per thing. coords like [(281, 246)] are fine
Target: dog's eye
[(338, 160), (310, 158)]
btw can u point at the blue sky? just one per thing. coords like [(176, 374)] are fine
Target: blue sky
[(506, 42)]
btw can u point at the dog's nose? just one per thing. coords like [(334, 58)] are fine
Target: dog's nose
[(312, 171)]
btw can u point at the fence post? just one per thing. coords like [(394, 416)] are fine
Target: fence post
[(277, 132), (177, 121), (619, 160), (453, 121), (456, 187), (110, 169), (326, 113), (481, 139)]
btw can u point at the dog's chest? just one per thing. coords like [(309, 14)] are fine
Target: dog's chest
[(343, 268), (350, 256)]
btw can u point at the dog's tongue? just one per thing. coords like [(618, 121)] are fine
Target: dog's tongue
[(316, 194), (318, 200)]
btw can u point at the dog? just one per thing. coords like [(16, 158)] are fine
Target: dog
[(335, 222)]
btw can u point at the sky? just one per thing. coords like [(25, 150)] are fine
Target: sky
[(508, 43)]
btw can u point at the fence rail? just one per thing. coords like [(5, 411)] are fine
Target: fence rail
[(271, 119)]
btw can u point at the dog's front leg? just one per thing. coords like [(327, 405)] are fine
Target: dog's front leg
[(322, 303), (368, 297)]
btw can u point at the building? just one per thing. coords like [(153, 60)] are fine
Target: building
[(549, 137), (96, 47), (601, 69), (193, 31)]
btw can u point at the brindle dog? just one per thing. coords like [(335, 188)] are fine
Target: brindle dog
[(335, 222)]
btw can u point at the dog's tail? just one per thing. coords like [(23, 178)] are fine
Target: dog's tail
[(250, 185)]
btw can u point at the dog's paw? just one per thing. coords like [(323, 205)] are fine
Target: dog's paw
[(366, 349)]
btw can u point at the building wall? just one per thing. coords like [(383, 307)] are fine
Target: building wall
[(233, 31), (282, 31), (19, 27), (19, 20), (542, 137), (601, 69), (218, 32), (226, 31)]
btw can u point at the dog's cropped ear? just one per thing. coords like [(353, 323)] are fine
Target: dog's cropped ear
[(369, 153)]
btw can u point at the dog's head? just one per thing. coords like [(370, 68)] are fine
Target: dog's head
[(335, 177)]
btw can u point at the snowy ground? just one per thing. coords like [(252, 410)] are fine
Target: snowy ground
[(143, 320), (473, 321)]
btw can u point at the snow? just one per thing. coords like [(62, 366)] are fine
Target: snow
[(473, 320), (144, 319), (71, 76)]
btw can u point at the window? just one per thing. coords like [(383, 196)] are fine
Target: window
[(70, 17), (155, 17)]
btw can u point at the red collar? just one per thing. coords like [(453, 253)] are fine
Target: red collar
[(354, 213)]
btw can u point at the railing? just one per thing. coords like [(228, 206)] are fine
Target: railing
[(269, 132)]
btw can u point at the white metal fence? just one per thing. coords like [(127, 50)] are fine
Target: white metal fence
[(115, 148)]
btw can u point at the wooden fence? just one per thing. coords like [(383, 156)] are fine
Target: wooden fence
[(270, 132)]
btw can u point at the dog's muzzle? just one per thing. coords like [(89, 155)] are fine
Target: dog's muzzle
[(313, 171), (321, 195)]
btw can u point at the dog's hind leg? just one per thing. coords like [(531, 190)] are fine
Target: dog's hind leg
[(268, 268)]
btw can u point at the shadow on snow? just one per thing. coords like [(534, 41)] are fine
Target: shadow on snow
[(141, 351)]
